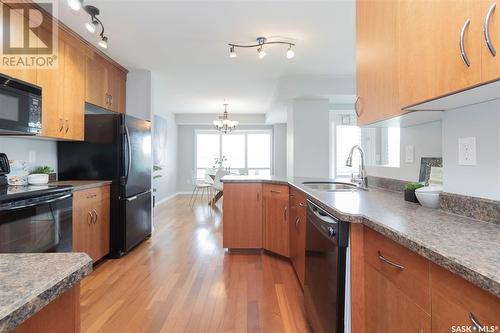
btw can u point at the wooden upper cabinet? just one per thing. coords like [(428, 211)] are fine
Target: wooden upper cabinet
[(96, 84), (117, 80), (377, 51), (431, 64), (74, 89), (276, 216), (491, 63), (242, 227), (298, 215)]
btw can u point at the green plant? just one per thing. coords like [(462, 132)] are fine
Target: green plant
[(219, 162), (156, 169), (42, 169), (413, 186)]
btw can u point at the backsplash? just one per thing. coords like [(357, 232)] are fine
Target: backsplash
[(43, 152), (476, 208)]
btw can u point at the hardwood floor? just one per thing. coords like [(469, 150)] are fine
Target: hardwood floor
[(182, 280)]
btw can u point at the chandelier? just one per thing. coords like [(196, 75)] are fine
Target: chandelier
[(223, 124)]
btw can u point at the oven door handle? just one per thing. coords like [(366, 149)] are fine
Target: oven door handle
[(36, 203)]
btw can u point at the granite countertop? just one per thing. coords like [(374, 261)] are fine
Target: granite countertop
[(80, 185), (28, 282), (467, 247)]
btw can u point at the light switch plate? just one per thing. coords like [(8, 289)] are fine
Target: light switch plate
[(467, 151), (409, 154)]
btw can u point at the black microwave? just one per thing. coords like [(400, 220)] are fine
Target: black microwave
[(20, 107)]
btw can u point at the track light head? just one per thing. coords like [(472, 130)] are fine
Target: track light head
[(92, 27), (103, 42), (232, 53), (76, 5), (290, 53), (261, 53)]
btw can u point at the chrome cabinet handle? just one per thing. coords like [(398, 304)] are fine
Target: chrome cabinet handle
[(463, 54), (301, 204), (96, 216), (387, 261), (91, 218), (275, 191), (475, 322), (258, 195), (297, 221), (67, 125), (61, 124), (284, 213), (356, 106), (486, 29)]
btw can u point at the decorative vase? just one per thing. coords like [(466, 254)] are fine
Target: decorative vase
[(38, 179), (410, 196)]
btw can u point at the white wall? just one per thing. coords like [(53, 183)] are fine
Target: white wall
[(166, 185), (481, 121), (139, 93), (19, 148), (280, 133), (425, 138), (309, 134)]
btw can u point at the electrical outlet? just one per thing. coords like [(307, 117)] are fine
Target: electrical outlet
[(32, 157), (467, 151), (409, 154)]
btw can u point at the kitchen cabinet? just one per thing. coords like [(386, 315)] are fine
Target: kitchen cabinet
[(431, 64), (491, 62), (105, 85), (275, 219), (242, 218), (388, 309), (91, 214), (377, 52), (456, 302), (298, 216)]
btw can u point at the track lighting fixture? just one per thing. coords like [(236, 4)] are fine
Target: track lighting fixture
[(94, 24), (261, 41), (76, 5)]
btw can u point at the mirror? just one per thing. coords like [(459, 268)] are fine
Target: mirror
[(381, 146)]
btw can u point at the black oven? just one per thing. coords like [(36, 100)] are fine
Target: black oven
[(42, 223), (20, 107)]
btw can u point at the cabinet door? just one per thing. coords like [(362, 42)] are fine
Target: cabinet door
[(74, 89), (491, 63), (82, 227), (431, 64), (51, 80), (298, 233), (377, 52), (96, 86), (116, 89), (390, 310), (100, 228), (276, 224), (27, 74), (242, 226)]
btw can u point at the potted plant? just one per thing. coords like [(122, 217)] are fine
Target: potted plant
[(410, 191), (156, 175), (219, 163), (40, 175)]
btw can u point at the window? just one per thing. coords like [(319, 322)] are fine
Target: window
[(346, 137), (247, 152)]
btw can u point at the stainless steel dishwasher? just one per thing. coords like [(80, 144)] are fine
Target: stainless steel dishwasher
[(325, 278)]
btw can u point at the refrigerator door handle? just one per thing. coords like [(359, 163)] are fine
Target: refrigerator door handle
[(129, 153), (132, 198)]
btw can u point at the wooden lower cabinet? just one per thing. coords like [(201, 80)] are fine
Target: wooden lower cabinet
[(242, 218), (298, 216), (91, 222), (275, 219), (388, 309), (62, 315)]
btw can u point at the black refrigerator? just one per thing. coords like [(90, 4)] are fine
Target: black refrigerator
[(117, 147)]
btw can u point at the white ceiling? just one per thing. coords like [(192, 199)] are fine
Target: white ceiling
[(185, 42)]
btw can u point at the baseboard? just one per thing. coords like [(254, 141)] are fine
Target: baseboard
[(161, 202)]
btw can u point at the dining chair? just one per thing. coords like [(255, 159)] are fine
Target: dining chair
[(202, 186), (218, 185)]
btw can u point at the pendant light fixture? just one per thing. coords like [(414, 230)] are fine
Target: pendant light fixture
[(261, 41), (224, 124)]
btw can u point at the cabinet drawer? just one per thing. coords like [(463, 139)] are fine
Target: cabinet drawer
[(455, 301), (93, 194), (276, 191), (406, 269)]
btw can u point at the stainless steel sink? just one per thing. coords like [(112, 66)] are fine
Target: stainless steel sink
[(331, 186)]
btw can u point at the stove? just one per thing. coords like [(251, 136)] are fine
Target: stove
[(14, 193)]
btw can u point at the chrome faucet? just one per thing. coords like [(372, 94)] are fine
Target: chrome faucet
[(361, 179)]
